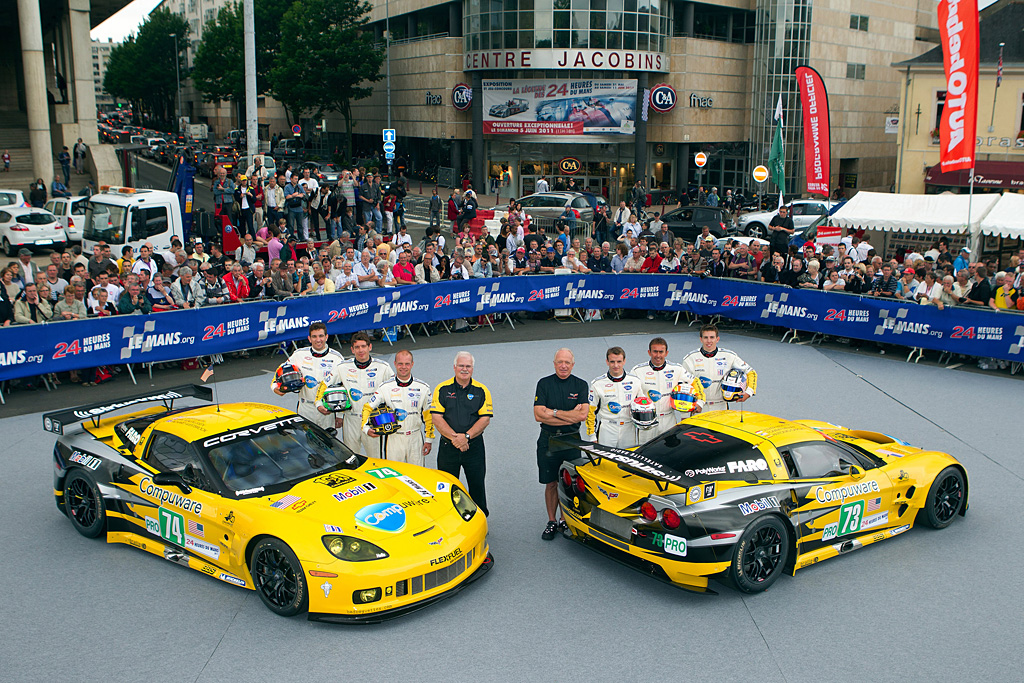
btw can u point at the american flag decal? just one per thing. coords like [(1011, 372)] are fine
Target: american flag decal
[(196, 529), (284, 502), (873, 504)]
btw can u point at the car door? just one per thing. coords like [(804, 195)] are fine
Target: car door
[(57, 209), (680, 222), (840, 495), (187, 520)]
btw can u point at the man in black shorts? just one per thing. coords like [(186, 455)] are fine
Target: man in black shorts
[(561, 404)]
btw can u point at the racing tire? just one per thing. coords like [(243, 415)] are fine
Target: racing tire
[(84, 504), (760, 556), (945, 498), (278, 577), (756, 230), (9, 248)]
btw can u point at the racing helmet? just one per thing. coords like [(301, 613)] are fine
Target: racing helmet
[(683, 399), (734, 384), (383, 420), (289, 378), (643, 412), (334, 399)]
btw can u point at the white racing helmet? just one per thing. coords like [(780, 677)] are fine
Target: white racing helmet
[(643, 412), (734, 384)]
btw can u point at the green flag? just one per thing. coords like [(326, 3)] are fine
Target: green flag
[(777, 156)]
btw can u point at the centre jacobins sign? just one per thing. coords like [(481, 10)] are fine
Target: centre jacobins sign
[(616, 60)]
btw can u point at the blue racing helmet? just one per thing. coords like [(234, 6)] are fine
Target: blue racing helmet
[(734, 384)]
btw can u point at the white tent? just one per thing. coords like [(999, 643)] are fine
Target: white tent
[(925, 213), (1006, 218)]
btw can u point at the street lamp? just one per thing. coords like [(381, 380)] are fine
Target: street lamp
[(177, 76)]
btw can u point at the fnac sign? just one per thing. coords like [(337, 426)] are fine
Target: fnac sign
[(663, 98), (462, 97), (570, 165)]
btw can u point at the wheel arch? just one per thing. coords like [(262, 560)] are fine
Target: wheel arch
[(967, 486), (790, 566)]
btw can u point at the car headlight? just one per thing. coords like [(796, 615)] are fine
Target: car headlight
[(353, 549), (463, 503)]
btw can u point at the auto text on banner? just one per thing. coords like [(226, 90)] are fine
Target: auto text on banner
[(958, 125), (817, 144), (62, 346)]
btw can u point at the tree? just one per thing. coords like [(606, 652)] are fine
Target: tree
[(142, 70), (330, 58)]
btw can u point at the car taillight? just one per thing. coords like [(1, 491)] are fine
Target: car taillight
[(581, 486), (670, 518), (18, 227), (721, 225), (567, 479), (648, 512)]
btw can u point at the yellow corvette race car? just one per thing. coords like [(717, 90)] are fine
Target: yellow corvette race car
[(256, 496), (749, 497)]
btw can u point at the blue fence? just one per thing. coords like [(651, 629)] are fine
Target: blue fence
[(62, 346)]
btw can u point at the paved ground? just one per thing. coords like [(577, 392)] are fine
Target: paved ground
[(927, 605)]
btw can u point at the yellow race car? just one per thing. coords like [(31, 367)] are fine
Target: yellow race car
[(750, 497), (258, 497)]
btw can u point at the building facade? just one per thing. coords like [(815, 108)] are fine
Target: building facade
[(552, 87), (1000, 137), (100, 55)]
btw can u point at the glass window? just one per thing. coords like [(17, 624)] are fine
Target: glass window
[(542, 37), (855, 71), (510, 21), (820, 459), (630, 22), (170, 453), (561, 39), (525, 39), (526, 21), (642, 41), (628, 41), (561, 20), (630, 5), (859, 22), (614, 40)]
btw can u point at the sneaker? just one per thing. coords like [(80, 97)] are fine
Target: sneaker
[(562, 526), (549, 531)]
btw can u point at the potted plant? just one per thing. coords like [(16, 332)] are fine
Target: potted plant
[(935, 136)]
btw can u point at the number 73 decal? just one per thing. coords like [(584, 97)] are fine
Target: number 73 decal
[(850, 517)]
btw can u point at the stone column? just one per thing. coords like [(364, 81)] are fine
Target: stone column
[(640, 136), (682, 166), (34, 66), (83, 85), (479, 166), (688, 19)]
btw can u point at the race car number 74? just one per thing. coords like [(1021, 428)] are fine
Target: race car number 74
[(171, 527)]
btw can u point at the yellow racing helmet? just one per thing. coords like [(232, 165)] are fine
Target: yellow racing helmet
[(734, 385), (683, 399)]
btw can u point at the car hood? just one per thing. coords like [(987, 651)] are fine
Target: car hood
[(377, 499), (763, 216)]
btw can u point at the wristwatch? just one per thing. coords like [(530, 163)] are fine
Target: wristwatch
[(554, 412)]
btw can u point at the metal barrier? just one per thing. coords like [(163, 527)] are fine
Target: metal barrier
[(582, 229)]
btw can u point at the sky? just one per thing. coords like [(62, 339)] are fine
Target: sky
[(125, 22)]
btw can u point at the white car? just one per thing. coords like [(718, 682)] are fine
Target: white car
[(70, 212), (12, 198), (29, 227), (802, 211)]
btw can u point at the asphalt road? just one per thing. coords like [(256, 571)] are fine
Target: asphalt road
[(926, 605)]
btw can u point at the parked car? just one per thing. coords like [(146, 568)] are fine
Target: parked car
[(209, 162), (688, 221), (29, 227), (12, 198), (288, 150), (802, 211), (70, 213), (552, 204), (325, 174)]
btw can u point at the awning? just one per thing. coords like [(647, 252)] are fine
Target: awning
[(1006, 175), (1006, 218), (925, 213)]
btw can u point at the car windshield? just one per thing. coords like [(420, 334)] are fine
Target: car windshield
[(276, 453), (703, 453), (104, 222), (35, 218)]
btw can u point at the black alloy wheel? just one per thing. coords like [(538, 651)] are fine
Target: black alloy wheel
[(760, 556), (84, 505), (278, 577), (945, 498)]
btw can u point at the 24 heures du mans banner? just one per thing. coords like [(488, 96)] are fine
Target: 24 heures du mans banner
[(817, 145), (958, 30)]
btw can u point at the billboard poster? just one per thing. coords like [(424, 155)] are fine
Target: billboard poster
[(559, 107)]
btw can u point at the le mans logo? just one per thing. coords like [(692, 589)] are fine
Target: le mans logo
[(570, 165)]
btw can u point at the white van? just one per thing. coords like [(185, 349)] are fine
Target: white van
[(125, 215)]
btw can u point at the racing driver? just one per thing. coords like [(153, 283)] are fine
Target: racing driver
[(409, 399), (611, 393), (362, 376), (710, 365), (658, 377), (318, 364)]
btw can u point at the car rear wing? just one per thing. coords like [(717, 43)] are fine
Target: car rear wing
[(55, 421), (634, 462)]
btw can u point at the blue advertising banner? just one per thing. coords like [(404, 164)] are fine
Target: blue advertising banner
[(159, 337)]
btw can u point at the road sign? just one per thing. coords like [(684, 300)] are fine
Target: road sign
[(296, 129), (389, 135), (389, 147), (760, 174), (701, 159), (389, 155)]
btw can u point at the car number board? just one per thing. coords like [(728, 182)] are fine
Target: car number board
[(612, 524)]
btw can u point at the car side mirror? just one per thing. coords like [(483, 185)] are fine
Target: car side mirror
[(856, 472), (171, 479)]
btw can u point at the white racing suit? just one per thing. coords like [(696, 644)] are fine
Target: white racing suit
[(710, 370), (658, 385), (608, 422), (316, 369), (362, 383), (411, 405)]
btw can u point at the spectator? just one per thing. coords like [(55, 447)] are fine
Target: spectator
[(133, 301), (963, 260), (833, 283), (69, 307), (458, 269), (322, 285), (716, 266), (405, 272), (37, 193), (907, 286), (962, 286), (237, 284), (101, 306), (223, 194), (620, 258), (981, 289), (59, 189), (929, 291), (260, 284), (885, 284), (212, 291), (468, 209), (599, 260), (183, 290), (791, 276), (57, 283), (781, 229), (573, 263), (426, 271), (742, 265), (246, 251), (669, 263), (947, 297), (810, 278), (771, 269), (1005, 296), (348, 280), (366, 271), (159, 295)]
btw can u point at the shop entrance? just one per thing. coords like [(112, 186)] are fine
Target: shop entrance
[(605, 169)]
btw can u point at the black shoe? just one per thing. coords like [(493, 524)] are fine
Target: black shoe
[(562, 526), (549, 531)]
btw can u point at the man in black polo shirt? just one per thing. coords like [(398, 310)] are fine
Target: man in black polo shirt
[(560, 405), (462, 409)]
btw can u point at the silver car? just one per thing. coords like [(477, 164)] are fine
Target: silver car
[(552, 204), (802, 211)]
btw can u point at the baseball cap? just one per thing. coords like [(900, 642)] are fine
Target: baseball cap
[(965, 249), (24, 252), (830, 258), (908, 271), (551, 249), (521, 250)]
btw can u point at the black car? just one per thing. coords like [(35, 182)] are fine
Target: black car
[(688, 221)]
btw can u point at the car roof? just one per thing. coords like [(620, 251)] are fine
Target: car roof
[(754, 427), (23, 209), (204, 421)]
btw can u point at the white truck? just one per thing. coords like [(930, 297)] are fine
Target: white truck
[(199, 131), (125, 215)]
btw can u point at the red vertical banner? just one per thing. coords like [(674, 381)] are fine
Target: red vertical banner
[(958, 126), (817, 145)]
